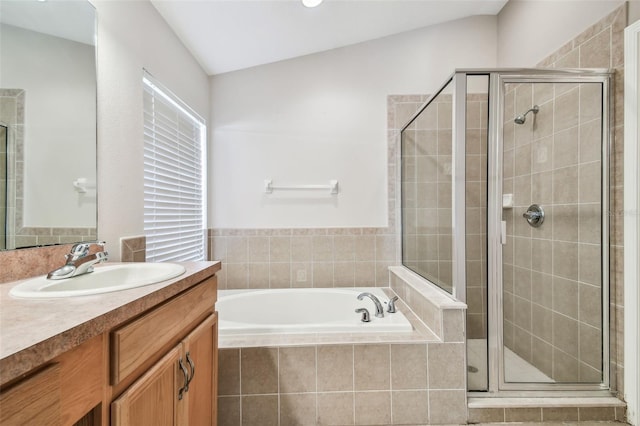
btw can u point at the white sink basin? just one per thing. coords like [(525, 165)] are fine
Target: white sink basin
[(103, 279)]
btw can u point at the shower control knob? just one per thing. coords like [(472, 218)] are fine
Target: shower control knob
[(534, 215)]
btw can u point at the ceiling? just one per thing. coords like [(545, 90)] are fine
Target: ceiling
[(229, 35)]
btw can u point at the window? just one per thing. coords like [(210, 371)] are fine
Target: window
[(174, 174)]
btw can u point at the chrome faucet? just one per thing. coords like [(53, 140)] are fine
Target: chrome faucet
[(379, 309), (79, 261)]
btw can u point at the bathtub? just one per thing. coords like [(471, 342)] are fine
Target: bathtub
[(309, 310)]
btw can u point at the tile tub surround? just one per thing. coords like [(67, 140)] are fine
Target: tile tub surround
[(289, 258), (29, 338), (351, 379)]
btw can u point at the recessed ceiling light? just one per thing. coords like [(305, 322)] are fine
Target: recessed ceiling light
[(311, 3)]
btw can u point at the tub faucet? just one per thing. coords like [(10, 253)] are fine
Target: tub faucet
[(379, 309), (79, 261)]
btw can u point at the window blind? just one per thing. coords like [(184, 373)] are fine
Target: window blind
[(174, 173)]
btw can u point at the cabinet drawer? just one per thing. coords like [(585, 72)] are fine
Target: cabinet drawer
[(135, 343)]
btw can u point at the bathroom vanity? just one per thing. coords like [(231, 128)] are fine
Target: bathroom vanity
[(145, 356)]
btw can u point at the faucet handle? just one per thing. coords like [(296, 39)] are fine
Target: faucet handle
[(391, 308), (365, 314)]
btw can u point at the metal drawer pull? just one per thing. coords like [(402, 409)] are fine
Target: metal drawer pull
[(193, 370), (185, 388)]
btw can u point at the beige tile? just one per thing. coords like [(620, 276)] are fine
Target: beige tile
[(564, 297), (596, 413), (335, 368), (279, 275), (409, 366), (596, 52), (590, 264), (258, 249), (229, 372), (323, 249), (446, 366), (297, 372), (447, 407), (344, 274), (372, 408), (590, 183), (454, 325), (301, 249), (279, 249), (486, 415), (565, 367), (229, 411), (565, 259), (559, 414), (371, 367), (259, 371), (385, 248), (260, 410), (344, 247), (523, 414), (364, 274), (542, 357), (590, 305), (237, 275), (410, 407), (237, 249), (590, 217), (335, 408), (258, 275), (542, 319), (297, 409), (322, 274)]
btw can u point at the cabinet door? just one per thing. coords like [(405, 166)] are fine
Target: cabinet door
[(33, 401), (201, 351), (153, 399)]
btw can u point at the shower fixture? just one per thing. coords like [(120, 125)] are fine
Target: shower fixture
[(523, 117)]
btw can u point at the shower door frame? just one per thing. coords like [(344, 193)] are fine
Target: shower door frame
[(496, 377)]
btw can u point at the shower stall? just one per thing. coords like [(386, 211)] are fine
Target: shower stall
[(505, 201)]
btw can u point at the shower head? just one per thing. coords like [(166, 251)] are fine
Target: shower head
[(523, 117)]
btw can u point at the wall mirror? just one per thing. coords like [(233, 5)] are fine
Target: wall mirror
[(47, 122)]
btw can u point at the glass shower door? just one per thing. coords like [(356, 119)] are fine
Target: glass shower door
[(552, 232)]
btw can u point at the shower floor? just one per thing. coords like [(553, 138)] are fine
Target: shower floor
[(516, 369)]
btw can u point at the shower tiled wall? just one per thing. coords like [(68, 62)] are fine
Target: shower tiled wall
[(551, 274), (426, 193), (558, 330)]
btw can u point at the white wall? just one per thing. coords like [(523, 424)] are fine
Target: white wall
[(133, 36), (321, 117), (58, 77), (529, 30)]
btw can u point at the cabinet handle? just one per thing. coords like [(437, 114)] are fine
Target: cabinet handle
[(193, 369), (185, 388)]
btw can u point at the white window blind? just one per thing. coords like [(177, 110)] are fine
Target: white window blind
[(174, 172)]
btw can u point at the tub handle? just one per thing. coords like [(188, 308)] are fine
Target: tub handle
[(365, 314), (391, 308)]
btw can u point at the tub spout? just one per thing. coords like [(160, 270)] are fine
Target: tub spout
[(379, 309)]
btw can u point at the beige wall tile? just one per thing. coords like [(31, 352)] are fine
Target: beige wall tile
[(260, 410), (297, 409), (596, 413), (562, 414), (486, 415), (409, 366), (229, 411), (523, 414), (335, 368), (259, 371), (372, 408), (335, 408), (229, 372), (371, 367), (409, 407), (280, 275), (444, 363), (297, 369), (447, 406), (301, 249), (279, 249), (596, 53), (258, 275)]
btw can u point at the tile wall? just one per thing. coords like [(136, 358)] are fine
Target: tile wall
[(602, 46)]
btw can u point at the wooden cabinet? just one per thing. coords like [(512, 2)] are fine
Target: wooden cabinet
[(164, 364), (180, 389)]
